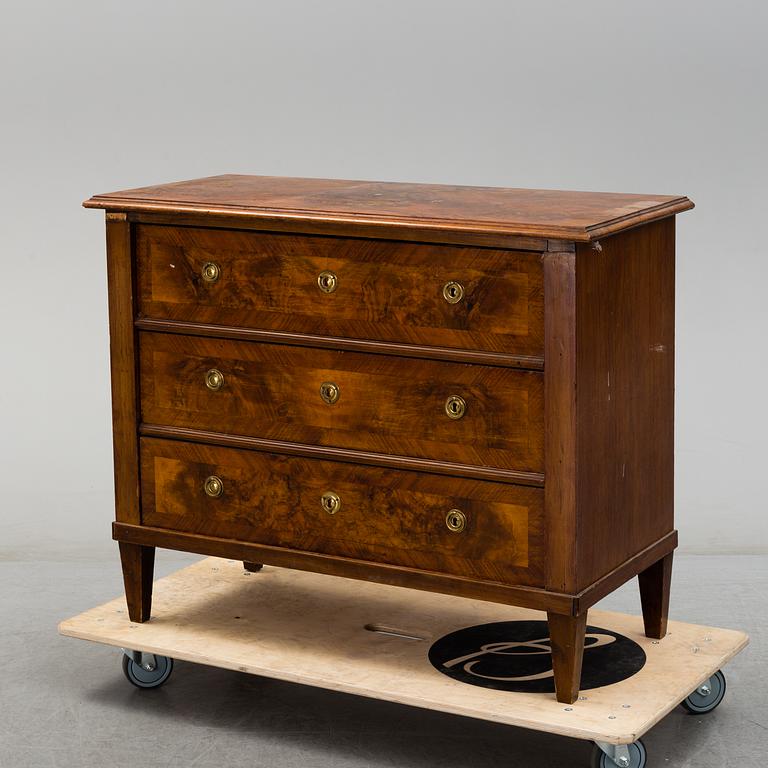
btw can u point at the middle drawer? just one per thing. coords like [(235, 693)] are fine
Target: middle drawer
[(469, 414)]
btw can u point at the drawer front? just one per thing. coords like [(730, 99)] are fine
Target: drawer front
[(372, 289), (383, 515), (380, 403)]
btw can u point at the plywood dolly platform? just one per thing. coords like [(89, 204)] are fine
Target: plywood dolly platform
[(401, 645)]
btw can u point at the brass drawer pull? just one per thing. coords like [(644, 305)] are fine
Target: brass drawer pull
[(331, 502), (455, 407), (456, 521), (329, 392), (453, 292), (213, 486), (327, 281), (211, 272), (214, 379)]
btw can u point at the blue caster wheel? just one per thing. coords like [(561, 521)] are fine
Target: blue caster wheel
[(634, 756), (151, 672), (707, 696)]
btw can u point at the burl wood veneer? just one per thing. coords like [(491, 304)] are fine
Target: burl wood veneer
[(465, 390)]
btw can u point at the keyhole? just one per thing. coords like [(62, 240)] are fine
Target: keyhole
[(329, 392), (327, 281), (455, 407), (330, 502), (456, 520), (453, 292)]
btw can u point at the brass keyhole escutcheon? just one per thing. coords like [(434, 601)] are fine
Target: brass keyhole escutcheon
[(213, 486), (456, 521), (327, 281), (453, 292), (211, 272), (455, 407), (214, 379), (329, 392), (331, 502)]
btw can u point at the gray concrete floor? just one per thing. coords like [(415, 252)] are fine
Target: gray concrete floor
[(64, 702)]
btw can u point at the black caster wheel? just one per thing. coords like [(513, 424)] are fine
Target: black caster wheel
[(148, 678), (707, 696), (636, 757)]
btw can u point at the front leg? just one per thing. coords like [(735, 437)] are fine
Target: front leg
[(138, 570), (566, 637), (655, 583)]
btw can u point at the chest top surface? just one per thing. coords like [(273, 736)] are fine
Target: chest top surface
[(578, 216)]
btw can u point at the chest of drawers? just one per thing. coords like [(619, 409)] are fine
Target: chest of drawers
[(457, 389)]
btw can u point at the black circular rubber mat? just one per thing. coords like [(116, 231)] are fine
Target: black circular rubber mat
[(516, 656)]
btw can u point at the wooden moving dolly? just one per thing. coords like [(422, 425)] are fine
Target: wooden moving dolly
[(466, 657)]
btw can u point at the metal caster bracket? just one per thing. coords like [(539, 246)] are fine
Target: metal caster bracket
[(146, 661), (618, 753)]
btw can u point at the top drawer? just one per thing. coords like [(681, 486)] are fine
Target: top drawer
[(413, 293)]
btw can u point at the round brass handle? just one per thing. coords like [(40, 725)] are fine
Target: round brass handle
[(453, 292), (214, 379), (329, 392), (455, 407), (331, 502), (213, 486), (456, 521), (327, 281), (211, 272)]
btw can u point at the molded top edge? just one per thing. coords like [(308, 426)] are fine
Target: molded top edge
[(578, 216)]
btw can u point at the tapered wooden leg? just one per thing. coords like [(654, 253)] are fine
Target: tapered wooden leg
[(252, 567), (654, 596), (138, 569), (566, 636)]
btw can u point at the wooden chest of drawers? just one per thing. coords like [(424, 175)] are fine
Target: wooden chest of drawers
[(458, 389)]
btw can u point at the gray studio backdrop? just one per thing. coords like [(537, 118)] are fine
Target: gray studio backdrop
[(654, 97)]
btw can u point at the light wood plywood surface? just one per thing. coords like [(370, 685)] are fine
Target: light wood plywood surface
[(311, 629)]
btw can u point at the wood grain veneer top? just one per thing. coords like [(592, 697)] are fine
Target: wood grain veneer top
[(578, 216)]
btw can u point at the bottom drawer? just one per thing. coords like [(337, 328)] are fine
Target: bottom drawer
[(472, 528)]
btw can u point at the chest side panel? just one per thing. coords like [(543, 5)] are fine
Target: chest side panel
[(625, 298)]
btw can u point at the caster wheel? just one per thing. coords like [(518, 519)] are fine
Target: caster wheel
[(143, 678), (707, 696), (637, 757)]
